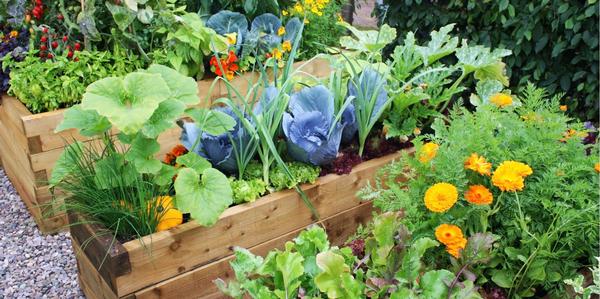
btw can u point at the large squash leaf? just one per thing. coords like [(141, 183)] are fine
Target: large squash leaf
[(213, 122), (163, 118), (129, 102), (206, 198), (141, 154), (89, 122), (183, 88)]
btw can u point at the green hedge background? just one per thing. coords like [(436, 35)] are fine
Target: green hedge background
[(554, 42)]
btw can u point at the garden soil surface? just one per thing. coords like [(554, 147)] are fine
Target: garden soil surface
[(32, 265)]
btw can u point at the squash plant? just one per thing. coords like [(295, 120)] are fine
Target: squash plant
[(141, 105)]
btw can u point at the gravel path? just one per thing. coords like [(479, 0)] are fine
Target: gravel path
[(32, 265)]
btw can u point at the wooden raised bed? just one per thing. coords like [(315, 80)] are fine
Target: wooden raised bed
[(29, 147), (183, 261)]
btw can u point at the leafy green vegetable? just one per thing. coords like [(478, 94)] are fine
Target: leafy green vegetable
[(301, 172), (247, 190)]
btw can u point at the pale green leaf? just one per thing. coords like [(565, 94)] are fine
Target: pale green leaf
[(291, 268), (194, 161), (205, 198), (211, 121), (183, 88), (435, 283), (163, 118), (411, 263), (335, 277), (88, 122), (141, 154)]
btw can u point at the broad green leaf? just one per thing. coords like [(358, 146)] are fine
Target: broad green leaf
[(211, 121), (502, 278), (165, 175), (194, 161), (385, 227), (335, 275), (485, 89), (88, 122), (404, 293), (495, 71), (205, 198), (468, 291), (244, 263), (183, 88), (163, 118), (473, 58), (129, 102), (435, 283), (132, 4), (145, 15), (368, 40), (66, 163), (141, 154), (309, 243), (411, 263), (291, 268), (479, 247), (537, 270), (123, 16), (440, 45)]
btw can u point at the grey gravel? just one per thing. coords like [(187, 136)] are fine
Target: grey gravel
[(32, 265)]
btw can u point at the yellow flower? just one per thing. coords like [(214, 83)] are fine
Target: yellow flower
[(284, 12), (229, 75), (281, 31), (339, 18), (563, 107), (456, 248), (501, 99), (597, 167), (440, 197), (448, 234), (231, 38), (298, 8), (428, 152), (286, 46), (478, 164), (14, 34), (510, 176), (306, 21), (277, 54), (479, 195), (417, 131)]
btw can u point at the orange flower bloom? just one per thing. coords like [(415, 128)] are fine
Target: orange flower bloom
[(456, 248), (479, 195), (167, 215), (563, 107), (501, 100), (510, 176), (428, 152), (451, 236), (478, 164), (440, 197), (597, 167)]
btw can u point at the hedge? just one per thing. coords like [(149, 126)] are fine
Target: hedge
[(554, 42)]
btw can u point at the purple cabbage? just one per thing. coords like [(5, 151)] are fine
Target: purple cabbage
[(308, 124)]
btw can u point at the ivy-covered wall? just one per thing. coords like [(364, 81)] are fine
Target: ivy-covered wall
[(554, 42)]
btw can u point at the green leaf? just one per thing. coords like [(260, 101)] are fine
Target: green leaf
[(163, 118), (485, 89), (335, 277), (291, 268), (183, 88), (312, 241), (123, 16), (127, 103), (211, 121), (502, 278), (411, 263), (165, 175), (194, 161), (441, 45), (88, 122), (367, 40), (145, 15), (66, 163), (141, 154), (435, 283), (204, 198), (537, 270), (245, 262)]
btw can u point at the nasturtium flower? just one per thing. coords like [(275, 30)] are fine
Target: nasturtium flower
[(479, 195), (597, 167), (281, 31), (277, 54), (563, 107), (478, 164), (284, 12), (510, 176), (308, 124), (440, 197), (428, 152), (501, 99)]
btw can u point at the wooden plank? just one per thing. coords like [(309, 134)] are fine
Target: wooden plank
[(103, 251), (15, 110), (17, 139), (15, 164), (198, 283), (90, 280), (185, 247)]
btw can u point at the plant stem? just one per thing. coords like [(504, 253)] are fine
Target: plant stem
[(455, 280)]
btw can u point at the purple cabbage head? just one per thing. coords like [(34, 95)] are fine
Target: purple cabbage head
[(217, 149), (307, 126)]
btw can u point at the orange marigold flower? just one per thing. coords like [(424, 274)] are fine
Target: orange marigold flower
[(479, 195), (179, 150), (440, 197), (448, 234), (428, 152), (597, 167), (501, 99), (510, 175), (563, 107), (456, 248), (478, 164)]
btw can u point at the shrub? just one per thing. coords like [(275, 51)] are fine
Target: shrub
[(555, 43), (543, 206)]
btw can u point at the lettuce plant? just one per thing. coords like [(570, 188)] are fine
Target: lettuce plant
[(141, 105), (312, 134)]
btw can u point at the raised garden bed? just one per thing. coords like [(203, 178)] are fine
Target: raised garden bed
[(29, 147), (183, 261)]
